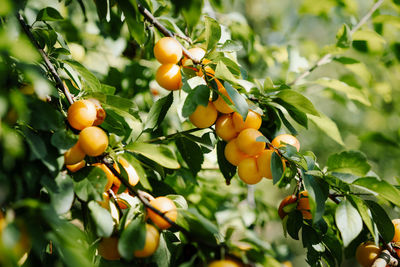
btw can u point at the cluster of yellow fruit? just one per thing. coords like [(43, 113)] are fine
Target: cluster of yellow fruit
[(108, 247), (368, 252)]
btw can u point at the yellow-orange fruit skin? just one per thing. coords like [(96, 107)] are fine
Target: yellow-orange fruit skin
[(396, 224), (108, 248), (167, 50), (303, 205), (233, 154), (224, 127), (287, 264), (224, 263), (77, 166), (166, 206), (264, 163), (105, 203), (247, 142), (111, 178), (197, 53), (367, 253), (81, 114), (220, 103), (283, 139), (286, 201), (151, 243), (74, 155), (133, 176), (169, 77), (253, 120), (100, 112), (93, 141), (248, 171), (204, 117)]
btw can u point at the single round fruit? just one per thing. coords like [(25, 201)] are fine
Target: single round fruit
[(253, 120), (224, 127), (100, 112), (303, 205), (81, 114), (204, 117), (168, 50), (108, 248), (169, 77), (264, 163), (367, 253), (286, 201), (224, 263), (111, 178), (283, 139), (396, 225), (220, 103), (93, 141), (167, 207), (248, 171), (77, 166), (151, 243), (247, 142), (196, 53), (74, 155), (233, 154)]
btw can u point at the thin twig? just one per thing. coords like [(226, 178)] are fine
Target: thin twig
[(50, 66), (150, 18), (166, 137), (114, 199), (328, 57)]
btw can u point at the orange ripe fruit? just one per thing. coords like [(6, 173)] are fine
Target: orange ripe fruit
[(167, 207), (283, 139), (132, 174), (247, 142), (93, 141), (105, 203), (100, 112), (367, 253), (74, 155), (77, 166), (169, 77), (81, 114), (204, 117), (287, 264), (248, 171), (167, 50), (233, 154), (224, 263), (253, 120), (224, 127), (304, 205), (197, 53), (111, 178), (286, 201), (108, 248), (264, 163), (151, 242), (396, 224), (220, 103)]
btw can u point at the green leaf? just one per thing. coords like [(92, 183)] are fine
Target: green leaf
[(297, 100), (294, 223), (343, 37), (49, 14), (90, 80), (161, 154), (276, 167), (334, 245), (348, 221), (383, 188), (382, 221), (212, 32), (191, 153), (318, 191), (132, 238), (378, 138), (135, 26), (353, 162), (63, 139), (162, 256), (364, 212), (222, 72), (351, 92), (268, 85), (230, 46), (389, 19), (346, 60), (238, 100), (228, 170), (200, 95), (328, 126), (102, 219), (90, 183), (63, 197), (158, 112)]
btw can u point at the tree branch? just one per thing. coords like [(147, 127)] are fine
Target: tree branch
[(328, 57), (166, 137), (50, 66)]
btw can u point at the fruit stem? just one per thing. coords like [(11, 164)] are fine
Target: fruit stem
[(50, 66)]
